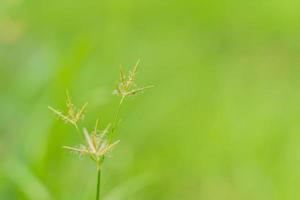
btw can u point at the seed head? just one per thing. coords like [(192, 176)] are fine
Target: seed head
[(73, 115), (97, 144), (127, 86)]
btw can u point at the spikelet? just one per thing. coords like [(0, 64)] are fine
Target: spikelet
[(97, 145), (127, 86), (73, 116)]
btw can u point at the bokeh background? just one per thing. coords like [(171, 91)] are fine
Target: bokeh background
[(221, 123)]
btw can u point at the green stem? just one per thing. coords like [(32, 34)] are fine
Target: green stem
[(116, 117), (98, 184)]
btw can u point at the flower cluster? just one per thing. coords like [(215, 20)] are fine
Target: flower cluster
[(99, 143), (127, 86), (73, 115)]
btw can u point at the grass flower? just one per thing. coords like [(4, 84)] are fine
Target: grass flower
[(127, 86), (73, 115), (98, 143)]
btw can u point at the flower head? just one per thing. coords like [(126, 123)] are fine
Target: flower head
[(73, 115), (127, 86), (97, 145)]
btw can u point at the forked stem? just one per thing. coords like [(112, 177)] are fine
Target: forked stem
[(98, 184)]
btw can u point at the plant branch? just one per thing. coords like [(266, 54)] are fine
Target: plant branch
[(116, 118)]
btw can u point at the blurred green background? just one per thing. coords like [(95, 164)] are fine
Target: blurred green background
[(221, 123)]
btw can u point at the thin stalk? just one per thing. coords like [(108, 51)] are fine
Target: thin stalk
[(114, 126), (116, 117), (98, 184)]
